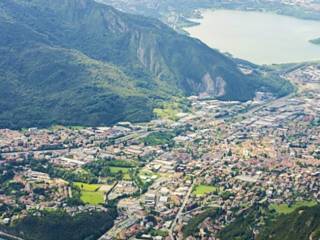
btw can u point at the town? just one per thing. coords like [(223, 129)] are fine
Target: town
[(187, 174)]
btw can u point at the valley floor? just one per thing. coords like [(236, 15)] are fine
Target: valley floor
[(170, 179)]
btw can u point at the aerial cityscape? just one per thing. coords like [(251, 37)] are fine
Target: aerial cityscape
[(120, 126)]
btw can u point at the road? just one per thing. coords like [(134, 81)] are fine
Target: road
[(264, 105), (185, 201), (113, 232), (37, 151)]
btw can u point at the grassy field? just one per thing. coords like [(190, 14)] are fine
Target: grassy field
[(201, 190), (88, 187), (124, 170), (285, 209), (90, 193), (158, 138), (168, 111), (93, 198)]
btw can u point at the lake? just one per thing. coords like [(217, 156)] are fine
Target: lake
[(259, 37)]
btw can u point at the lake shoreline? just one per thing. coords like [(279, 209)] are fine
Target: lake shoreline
[(260, 37)]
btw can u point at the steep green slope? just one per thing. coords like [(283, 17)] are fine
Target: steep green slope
[(66, 87), (80, 62), (60, 225), (260, 223), (244, 225), (302, 224)]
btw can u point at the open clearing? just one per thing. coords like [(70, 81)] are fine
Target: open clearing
[(91, 193), (201, 190), (285, 209)]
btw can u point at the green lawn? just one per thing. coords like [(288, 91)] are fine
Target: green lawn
[(168, 113), (90, 193), (88, 187), (201, 190), (285, 209), (93, 198)]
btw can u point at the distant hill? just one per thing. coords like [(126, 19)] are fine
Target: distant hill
[(185, 9), (78, 62), (315, 41)]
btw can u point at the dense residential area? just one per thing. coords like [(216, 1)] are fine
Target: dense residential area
[(200, 167)]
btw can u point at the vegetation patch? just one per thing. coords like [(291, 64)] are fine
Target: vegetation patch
[(201, 190), (90, 193), (244, 224), (301, 224), (158, 138), (168, 111), (159, 232), (124, 171), (147, 175), (53, 225), (286, 209), (171, 110), (192, 226), (115, 169), (92, 198), (88, 187)]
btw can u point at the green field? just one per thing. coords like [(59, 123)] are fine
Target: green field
[(124, 170), (201, 190), (170, 110), (93, 198), (158, 138), (167, 113), (90, 193), (88, 187), (285, 209)]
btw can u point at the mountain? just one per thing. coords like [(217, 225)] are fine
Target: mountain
[(78, 62)]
